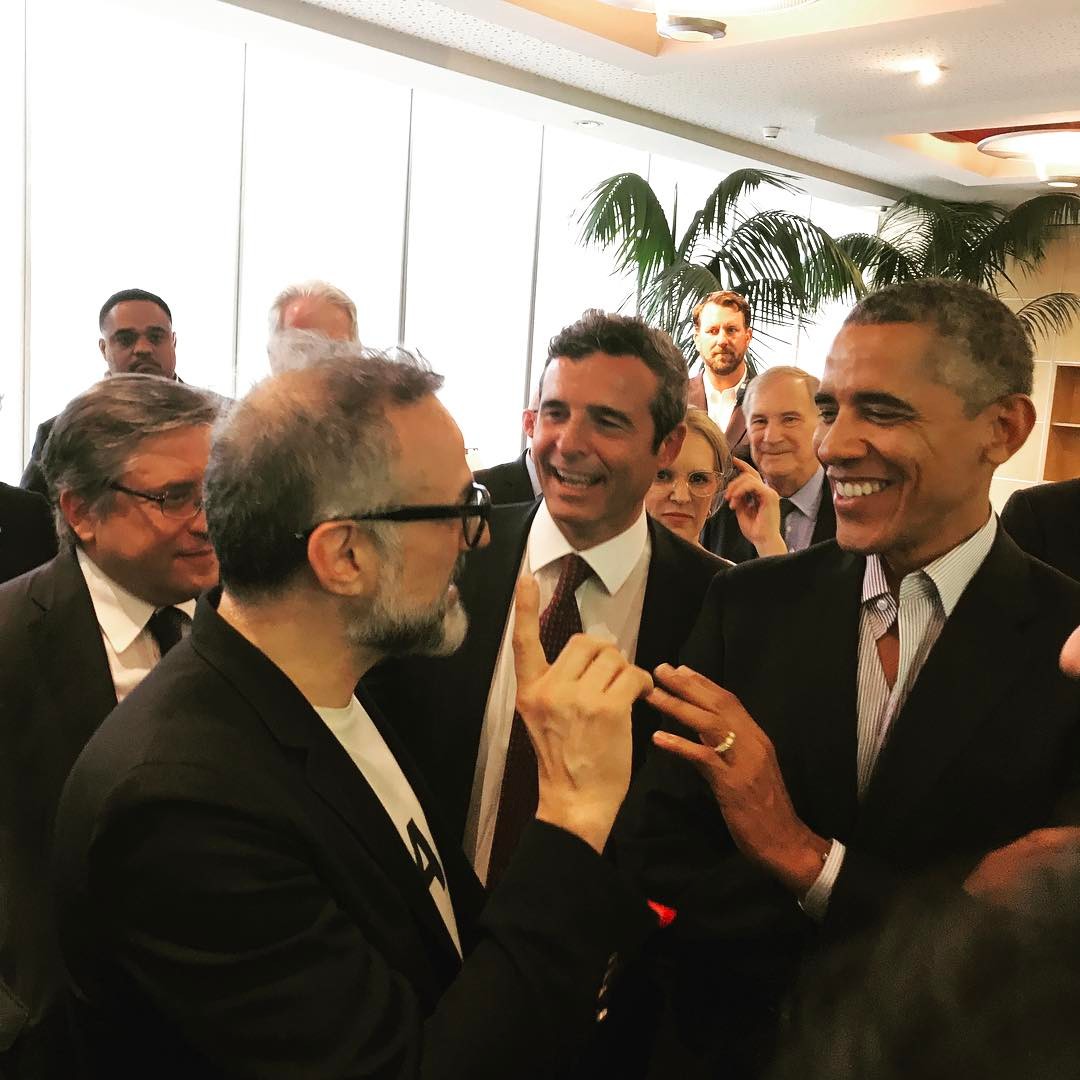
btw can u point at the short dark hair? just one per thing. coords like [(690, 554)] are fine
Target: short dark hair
[(724, 298), (983, 352), (625, 335), (302, 447), (123, 296), (94, 437)]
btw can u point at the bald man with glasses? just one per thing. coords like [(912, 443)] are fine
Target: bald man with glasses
[(125, 463)]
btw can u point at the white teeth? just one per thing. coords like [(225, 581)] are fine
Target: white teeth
[(574, 479), (849, 490)]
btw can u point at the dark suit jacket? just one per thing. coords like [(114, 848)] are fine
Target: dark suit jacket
[(55, 689), (456, 687), (735, 433), (509, 482), (1045, 521), (782, 634), (27, 533), (723, 537), (33, 477), (233, 900)]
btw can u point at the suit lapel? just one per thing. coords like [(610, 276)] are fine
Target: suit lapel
[(695, 394), (327, 768), (736, 428), (826, 718), (67, 640), (967, 671)]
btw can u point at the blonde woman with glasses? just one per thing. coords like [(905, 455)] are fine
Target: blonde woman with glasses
[(684, 495)]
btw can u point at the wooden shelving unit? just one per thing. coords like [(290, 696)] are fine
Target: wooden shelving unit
[(1063, 438)]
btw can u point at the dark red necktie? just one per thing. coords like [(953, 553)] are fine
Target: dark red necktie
[(518, 796)]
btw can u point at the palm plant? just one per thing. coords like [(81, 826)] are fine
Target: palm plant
[(784, 264), (981, 243)]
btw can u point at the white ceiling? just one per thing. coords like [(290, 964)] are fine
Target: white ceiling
[(826, 75)]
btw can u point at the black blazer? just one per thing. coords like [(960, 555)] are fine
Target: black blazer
[(33, 477), (233, 900), (55, 689), (1045, 521), (27, 533), (723, 537), (986, 748), (509, 482), (456, 687)]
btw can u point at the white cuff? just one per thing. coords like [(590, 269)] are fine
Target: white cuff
[(816, 901)]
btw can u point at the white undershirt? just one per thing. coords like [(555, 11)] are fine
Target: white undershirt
[(361, 740), (122, 616), (610, 605), (720, 404)]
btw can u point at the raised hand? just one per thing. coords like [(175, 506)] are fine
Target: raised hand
[(577, 714), (738, 762), (757, 509)]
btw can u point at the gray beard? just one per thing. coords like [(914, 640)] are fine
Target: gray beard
[(384, 628)]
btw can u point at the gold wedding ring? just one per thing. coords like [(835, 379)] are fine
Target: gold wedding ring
[(725, 744)]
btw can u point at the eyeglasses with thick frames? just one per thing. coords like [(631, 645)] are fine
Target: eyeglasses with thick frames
[(179, 505), (701, 483), (474, 512)]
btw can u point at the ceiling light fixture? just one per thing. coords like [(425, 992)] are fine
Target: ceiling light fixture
[(690, 28), (702, 20), (929, 73), (589, 123), (1055, 152)]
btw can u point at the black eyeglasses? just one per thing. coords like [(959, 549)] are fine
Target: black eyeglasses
[(474, 512), (180, 505)]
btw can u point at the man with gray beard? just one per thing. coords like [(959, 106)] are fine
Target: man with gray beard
[(251, 879)]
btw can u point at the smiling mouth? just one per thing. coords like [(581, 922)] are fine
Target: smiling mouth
[(856, 489), (573, 479)]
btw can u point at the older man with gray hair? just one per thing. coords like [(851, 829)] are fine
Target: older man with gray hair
[(125, 464), (249, 863), (304, 319)]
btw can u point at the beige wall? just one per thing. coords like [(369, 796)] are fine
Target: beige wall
[(1059, 273)]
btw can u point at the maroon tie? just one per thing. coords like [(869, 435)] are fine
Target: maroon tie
[(518, 796)]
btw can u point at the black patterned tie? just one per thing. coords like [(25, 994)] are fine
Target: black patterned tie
[(518, 796), (166, 627), (786, 506)]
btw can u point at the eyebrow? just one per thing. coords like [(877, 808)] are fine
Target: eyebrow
[(136, 330), (870, 399)]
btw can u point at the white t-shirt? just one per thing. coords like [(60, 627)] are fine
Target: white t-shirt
[(357, 733)]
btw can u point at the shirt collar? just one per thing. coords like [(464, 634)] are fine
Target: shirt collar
[(612, 561), (121, 615), (950, 572), (806, 499)]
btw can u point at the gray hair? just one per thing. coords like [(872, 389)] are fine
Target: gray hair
[(303, 447), (982, 352), (96, 435), (314, 290), (293, 349), (774, 374)]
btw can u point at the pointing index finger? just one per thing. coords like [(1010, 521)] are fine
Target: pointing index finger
[(529, 660)]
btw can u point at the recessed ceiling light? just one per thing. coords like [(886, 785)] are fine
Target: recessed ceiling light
[(1064, 182), (1055, 152), (690, 28), (929, 73), (589, 123)]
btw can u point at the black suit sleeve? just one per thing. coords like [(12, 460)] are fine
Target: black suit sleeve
[(33, 477), (231, 932), (1019, 521)]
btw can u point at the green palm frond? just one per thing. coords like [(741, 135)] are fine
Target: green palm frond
[(624, 213), (880, 261), (1050, 315), (1021, 234), (715, 216)]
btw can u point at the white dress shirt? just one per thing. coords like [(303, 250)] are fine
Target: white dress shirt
[(927, 598), (720, 404), (361, 740), (122, 617), (610, 605)]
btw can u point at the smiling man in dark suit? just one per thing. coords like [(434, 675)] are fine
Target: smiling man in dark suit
[(252, 881), (869, 713), (125, 461), (612, 398), (781, 418)]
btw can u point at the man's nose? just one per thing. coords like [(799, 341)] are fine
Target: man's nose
[(572, 438), (838, 441)]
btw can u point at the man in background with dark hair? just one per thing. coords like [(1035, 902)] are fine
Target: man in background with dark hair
[(136, 336), (722, 336), (126, 461), (867, 712), (612, 399), (251, 879)]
